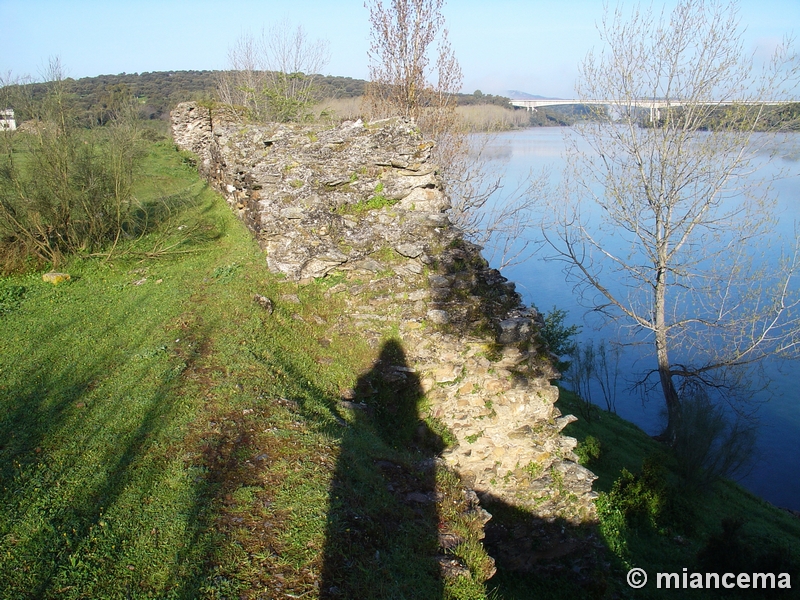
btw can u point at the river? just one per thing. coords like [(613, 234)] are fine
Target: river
[(775, 475)]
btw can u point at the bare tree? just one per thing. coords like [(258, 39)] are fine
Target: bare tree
[(239, 87), (405, 77), (273, 77), (414, 73), (660, 222)]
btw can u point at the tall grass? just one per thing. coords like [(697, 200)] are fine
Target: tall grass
[(340, 109), (491, 117), (473, 118)]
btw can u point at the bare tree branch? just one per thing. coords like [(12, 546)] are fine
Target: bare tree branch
[(414, 74), (273, 77), (664, 216)]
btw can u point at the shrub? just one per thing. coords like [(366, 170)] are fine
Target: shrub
[(588, 450), (558, 337), (643, 501), (64, 189), (273, 77), (641, 498)]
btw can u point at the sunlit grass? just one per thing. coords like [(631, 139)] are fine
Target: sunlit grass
[(162, 436)]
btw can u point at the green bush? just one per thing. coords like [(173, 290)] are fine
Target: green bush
[(641, 498), (64, 189), (559, 338), (647, 501), (588, 450), (635, 501)]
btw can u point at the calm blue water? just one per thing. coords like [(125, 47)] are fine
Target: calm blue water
[(776, 472)]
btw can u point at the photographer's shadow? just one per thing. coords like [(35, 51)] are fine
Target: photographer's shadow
[(382, 526)]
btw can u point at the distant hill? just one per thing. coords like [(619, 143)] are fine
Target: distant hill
[(158, 92), (517, 95)]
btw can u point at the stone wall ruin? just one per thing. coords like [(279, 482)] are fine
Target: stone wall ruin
[(364, 200)]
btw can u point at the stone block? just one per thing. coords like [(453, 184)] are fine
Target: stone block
[(438, 317), (56, 278)]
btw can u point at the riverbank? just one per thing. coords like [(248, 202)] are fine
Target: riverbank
[(163, 433), (776, 469)]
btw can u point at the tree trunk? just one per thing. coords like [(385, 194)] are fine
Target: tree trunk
[(671, 397), (668, 387)]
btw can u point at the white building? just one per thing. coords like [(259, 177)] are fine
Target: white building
[(7, 119)]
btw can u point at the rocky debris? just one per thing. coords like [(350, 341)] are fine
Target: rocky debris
[(264, 302), (452, 567), (438, 317), (362, 200), (515, 329), (321, 198), (499, 404), (55, 278)]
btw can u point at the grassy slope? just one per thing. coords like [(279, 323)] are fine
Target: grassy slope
[(161, 435), (681, 532), (100, 385)]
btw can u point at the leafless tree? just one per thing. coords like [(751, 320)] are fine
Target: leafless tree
[(405, 77), (414, 73), (272, 77), (661, 223)]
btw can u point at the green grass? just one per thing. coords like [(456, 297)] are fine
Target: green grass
[(665, 535), (375, 202), (162, 436), (96, 395)]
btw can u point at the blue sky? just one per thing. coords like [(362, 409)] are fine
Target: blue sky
[(534, 46)]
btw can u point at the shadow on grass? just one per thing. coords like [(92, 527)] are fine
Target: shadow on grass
[(55, 500), (542, 558), (84, 462), (381, 537)]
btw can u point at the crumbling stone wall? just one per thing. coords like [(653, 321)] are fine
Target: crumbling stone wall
[(365, 200)]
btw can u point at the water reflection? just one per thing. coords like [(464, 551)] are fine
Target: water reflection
[(777, 474)]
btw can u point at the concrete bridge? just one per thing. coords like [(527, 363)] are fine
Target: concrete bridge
[(655, 106)]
